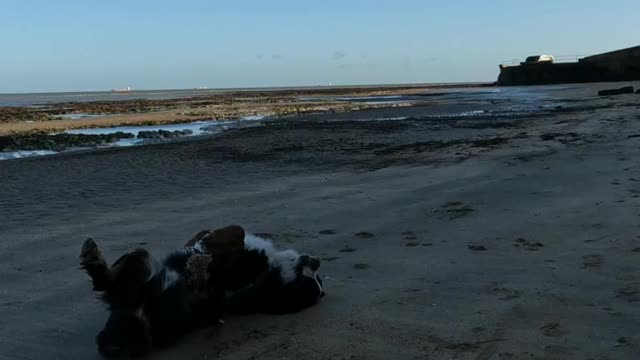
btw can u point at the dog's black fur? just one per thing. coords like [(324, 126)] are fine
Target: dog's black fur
[(151, 305), (267, 292)]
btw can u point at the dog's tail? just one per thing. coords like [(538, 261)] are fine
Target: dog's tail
[(93, 262)]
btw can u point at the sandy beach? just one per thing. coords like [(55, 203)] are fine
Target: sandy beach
[(510, 237)]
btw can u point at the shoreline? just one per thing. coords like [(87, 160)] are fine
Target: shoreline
[(224, 106)]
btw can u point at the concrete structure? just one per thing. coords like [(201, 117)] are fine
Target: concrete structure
[(620, 65)]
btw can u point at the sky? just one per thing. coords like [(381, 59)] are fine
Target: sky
[(87, 45)]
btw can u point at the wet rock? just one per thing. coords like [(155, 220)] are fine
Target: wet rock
[(163, 134), (620, 91), (58, 142), (14, 114)]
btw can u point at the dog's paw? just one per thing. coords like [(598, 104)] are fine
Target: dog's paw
[(197, 270)]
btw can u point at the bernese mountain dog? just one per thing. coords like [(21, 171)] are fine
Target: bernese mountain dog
[(260, 278), (152, 303)]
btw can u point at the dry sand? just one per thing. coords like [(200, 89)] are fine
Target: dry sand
[(512, 247)]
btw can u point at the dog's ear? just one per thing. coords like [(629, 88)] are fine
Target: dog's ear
[(225, 240), (197, 238)]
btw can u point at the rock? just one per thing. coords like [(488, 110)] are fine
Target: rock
[(163, 134), (638, 91), (620, 91), (57, 142)]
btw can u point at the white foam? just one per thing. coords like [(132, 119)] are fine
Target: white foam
[(387, 102), (363, 98), (77, 116), (6, 155), (195, 127), (253, 117)]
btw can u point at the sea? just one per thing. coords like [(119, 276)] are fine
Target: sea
[(39, 99)]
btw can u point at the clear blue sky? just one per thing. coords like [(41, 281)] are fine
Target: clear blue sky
[(98, 45)]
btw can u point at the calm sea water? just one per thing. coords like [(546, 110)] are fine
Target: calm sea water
[(512, 93), (36, 99)]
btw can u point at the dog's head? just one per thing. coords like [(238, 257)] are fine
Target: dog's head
[(306, 288)]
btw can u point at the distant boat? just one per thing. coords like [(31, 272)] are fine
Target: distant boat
[(127, 89)]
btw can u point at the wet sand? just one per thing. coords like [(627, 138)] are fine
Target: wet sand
[(459, 239)]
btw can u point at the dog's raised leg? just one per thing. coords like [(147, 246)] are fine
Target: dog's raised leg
[(93, 262)]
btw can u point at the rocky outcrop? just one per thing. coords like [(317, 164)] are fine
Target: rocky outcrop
[(58, 142), (620, 91), (163, 134)]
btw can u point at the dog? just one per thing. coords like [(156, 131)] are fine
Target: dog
[(152, 303), (260, 278)]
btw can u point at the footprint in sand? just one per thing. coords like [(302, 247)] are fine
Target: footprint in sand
[(409, 235), (628, 294), (528, 245), (412, 239), (474, 247), (503, 293), (593, 261), (364, 235), (553, 330), (330, 258), (455, 210), (411, 244), (622, 341), (347, 249)]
